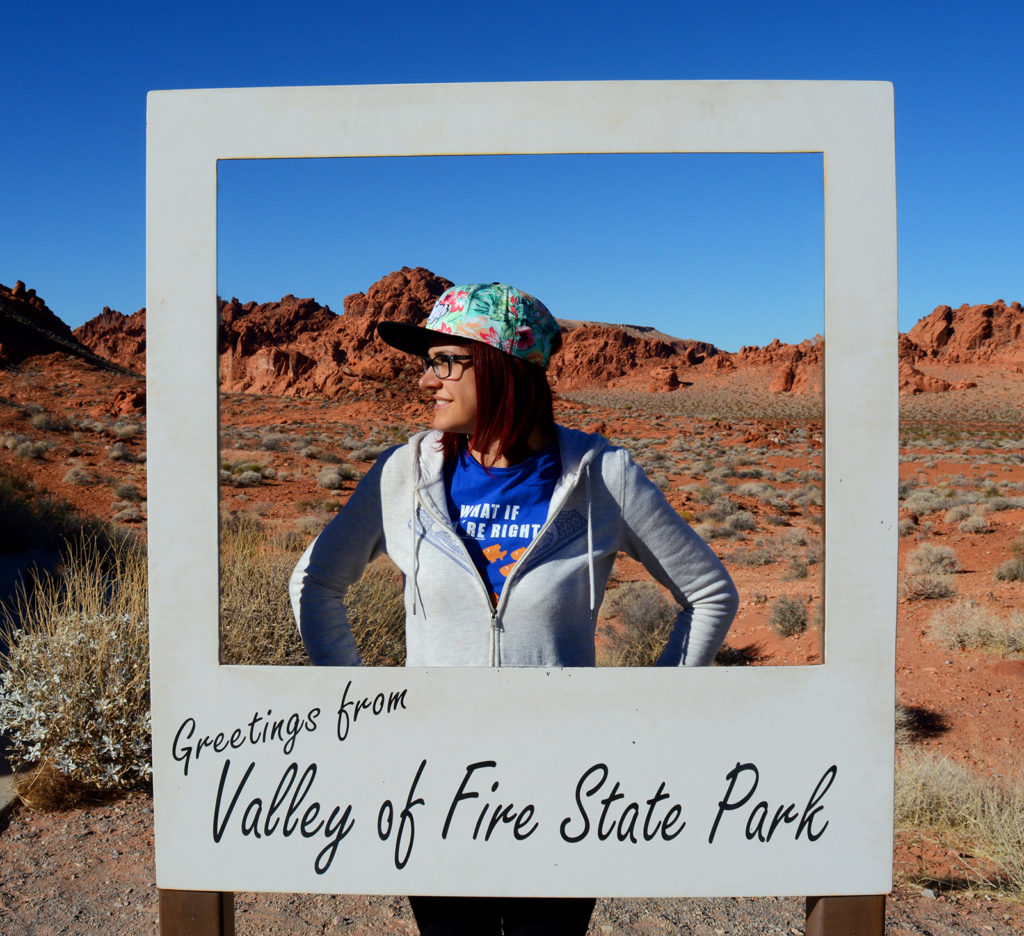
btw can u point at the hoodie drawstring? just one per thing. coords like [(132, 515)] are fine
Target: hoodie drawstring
[(415, 550), (590, 547)]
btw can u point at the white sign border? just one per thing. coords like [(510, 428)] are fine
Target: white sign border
[(851, 123)]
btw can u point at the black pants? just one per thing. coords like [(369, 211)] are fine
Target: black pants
[(492, 916)]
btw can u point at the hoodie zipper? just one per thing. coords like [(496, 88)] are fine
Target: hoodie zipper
[(495, 611), (569, 488), (495, 650)]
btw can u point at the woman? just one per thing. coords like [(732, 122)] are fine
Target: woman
[(505, 526)]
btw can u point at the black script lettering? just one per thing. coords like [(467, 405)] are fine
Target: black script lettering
[(285, 730), (624, 826), (784, 814), (491, 816), (812, 808), (386, 820), (338, 824), (380, 704), (725, 804), (184, 751)]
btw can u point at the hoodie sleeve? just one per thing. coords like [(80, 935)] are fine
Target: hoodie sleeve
[(679, 559), (334, 560)]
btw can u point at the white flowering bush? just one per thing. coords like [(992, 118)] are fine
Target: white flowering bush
[(74, 683)]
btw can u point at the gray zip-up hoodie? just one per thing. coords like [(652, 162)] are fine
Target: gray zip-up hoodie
[(547, 613)]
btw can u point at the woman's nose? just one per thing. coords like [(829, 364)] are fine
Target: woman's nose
[(428, 379)]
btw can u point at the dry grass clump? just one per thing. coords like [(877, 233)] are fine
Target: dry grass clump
[(1013, 569), (981, 820), (333, 476), (788, 616), (74, 690), (934, 560), (376, 611), (969, 626), (256, 623), (257, 627), (975, 523), (645, 618), (926, 587)]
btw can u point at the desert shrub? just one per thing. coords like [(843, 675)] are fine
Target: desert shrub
[(978, 819), (247, 478), (708, 531), (333, 476), (126, 430), (721, 508), (32, 449), (645, 618), (310, 526), (756, 489), (125, 490), (797, 569), (926, 587), (273, 441), (934, 560), (924, 501), (905, 527), (118, 452), (1013, 569), (975, 523), (79, 476), (752, 558), (958, 513), (795, 537), (309, 451), (965, 625), (741, 521), (999, 502), (37, 418), (788, 616), (74, 688)]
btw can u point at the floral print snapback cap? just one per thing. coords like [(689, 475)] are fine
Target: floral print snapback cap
[(497, 314)]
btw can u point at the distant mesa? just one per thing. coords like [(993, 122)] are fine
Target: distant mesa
[(297, 346)]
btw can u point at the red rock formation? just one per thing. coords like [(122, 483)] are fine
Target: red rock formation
[(992, 334), (296, 346), (913, 381), (117, 337), (599, 355), (29, 328)]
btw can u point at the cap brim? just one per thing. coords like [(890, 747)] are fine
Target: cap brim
[(412, 339)]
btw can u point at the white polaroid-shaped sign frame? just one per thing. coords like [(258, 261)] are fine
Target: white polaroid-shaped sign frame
[(749, 781)]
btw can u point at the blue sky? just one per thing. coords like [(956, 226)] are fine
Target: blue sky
[(721, 248)]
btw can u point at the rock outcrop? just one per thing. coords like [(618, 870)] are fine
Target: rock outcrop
[(29, 328), (117, 337), (913, 381), (604, 355), (989, 334)]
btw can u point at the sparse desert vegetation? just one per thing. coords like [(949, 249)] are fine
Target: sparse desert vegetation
[(743, 468)]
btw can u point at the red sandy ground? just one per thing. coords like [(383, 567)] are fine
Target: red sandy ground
[(975, 696)]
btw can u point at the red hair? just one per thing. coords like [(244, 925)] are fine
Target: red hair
[(513, 398)]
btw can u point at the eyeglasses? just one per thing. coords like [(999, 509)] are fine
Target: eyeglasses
[(447, 366)]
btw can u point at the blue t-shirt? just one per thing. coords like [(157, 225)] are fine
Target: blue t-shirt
[(498, 512)]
